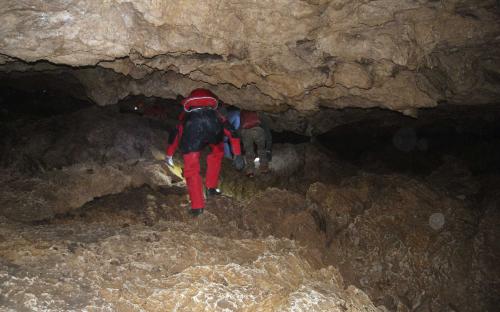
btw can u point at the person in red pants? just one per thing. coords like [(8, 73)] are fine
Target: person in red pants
[(200, 124)]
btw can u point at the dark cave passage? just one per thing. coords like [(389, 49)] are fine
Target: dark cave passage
[(36, 104), (398, 144), (384, 182), (289, 137)]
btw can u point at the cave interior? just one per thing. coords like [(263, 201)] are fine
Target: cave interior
[(384, 185)]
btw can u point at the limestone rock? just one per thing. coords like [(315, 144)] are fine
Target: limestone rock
[(95, 135), (261, 56), (169, 266), (378, 226), (486, 272), (352, 75), (58, 164), (287, 160), (60, 191)]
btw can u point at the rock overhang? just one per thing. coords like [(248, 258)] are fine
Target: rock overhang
[(271, 56)]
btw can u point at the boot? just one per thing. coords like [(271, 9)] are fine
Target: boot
[(196, 212), (213, 192)]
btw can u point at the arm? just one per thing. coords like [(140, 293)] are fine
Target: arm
[(234, 119), (174, 139), (175, 136), (232, 135), (234, 140)]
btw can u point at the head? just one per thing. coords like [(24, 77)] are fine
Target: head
[(199, 98)]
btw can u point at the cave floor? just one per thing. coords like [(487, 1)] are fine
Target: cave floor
[(333, 228), (141, 251)]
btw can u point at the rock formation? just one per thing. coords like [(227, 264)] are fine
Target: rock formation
[(56, 165), (382, 230), (84, 208), (171, 266), (271, 55)]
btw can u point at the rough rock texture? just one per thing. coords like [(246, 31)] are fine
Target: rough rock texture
[(486, 270), (269, 55), (283, 214), (392, 248), (293, 167), (25, 198), (170, 266), (64, 161), (55, 165), (98, 135), (410, 247)]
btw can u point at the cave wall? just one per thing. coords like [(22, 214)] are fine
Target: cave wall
[(267, 55)]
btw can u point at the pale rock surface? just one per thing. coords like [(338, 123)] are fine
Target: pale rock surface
[(268, 55), (170, 266), (352, 75)]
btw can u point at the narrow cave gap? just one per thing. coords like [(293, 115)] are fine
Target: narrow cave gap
[(418, 146), (162, 113), (289, 137), (39, 96)]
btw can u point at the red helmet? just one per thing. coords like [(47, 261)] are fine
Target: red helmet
[(199, 98)]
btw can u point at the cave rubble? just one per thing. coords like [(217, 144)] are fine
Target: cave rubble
[(381, 230), (165, 267), (46, 171)]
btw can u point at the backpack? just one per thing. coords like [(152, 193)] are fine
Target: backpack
[(249, 119)]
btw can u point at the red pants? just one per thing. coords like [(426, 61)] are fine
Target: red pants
[(192, 173)]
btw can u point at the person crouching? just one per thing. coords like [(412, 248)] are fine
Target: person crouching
[(200, 125)]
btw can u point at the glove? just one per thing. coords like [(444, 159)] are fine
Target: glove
[(269, 155), (170, 161), (238, 162)]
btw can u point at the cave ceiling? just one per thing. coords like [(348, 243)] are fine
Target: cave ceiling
[(273, 56)]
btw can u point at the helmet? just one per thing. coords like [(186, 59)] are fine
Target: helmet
[(199, 98)]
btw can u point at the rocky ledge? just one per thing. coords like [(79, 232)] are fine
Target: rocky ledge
[(267, 55)]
